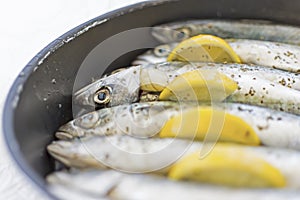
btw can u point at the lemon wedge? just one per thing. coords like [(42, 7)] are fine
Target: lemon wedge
[(199, 85), (198, 122), (204, 48), (229, 165)]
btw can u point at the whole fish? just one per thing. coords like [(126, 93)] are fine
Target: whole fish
[(263, 53), (256, 85), (242, 29), (117, 151), (129, 154), (98, 184), (144, 120)]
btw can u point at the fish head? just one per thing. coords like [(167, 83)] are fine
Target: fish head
[(156, 55), (119, 88), (173, 33), (92, 123), (72, 153), (64, 151)]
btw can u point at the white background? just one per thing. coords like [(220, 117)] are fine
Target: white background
[(26, 27)]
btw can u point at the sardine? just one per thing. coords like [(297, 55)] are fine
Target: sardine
[(97, 184), (121, 152), (243, 29), (144, 120), (263, 53), (256, 85), (129, 154)]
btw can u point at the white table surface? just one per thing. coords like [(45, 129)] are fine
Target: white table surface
[(26, 27)]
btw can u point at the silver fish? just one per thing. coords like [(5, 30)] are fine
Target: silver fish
[(263, 53), (137, 119), (257, 85), (128, 154), (94, 184), (144, 120), (242, 29), (117, 151)]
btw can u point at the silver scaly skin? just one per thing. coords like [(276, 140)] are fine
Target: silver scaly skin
[(109, 184), (263, 53), (257, 85), (242, 29), (158, 155), (117, 151), (145, 120), (137, 119)]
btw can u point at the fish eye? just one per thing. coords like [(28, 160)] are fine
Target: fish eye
[(103, 96), (182, 34), (162, 50)]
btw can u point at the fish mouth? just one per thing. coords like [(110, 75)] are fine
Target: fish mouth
[(65, 132), (69, 131), (63, 135)]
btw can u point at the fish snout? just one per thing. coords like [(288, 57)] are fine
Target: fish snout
[(67, 132)]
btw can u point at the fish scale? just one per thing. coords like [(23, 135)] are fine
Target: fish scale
[(272, 88), (242, 29), (274, 128), (113, 184), (263, 53), (158, 155)]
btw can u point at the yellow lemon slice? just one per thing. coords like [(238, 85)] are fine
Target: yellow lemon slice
[(228, 165), (204, 48), (198, 122), (199, 85)]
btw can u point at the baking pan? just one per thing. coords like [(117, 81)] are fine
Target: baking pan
[(40, 99)]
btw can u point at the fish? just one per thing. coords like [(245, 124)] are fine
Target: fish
[(117, 151), (160, 155), (111, 184), (241, 29), (146, 120), (260, 86), (263, 53), (137, 119)]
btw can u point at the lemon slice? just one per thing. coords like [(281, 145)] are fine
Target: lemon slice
[(204, 48), (199, 85), (198, 122), (229, 165)]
